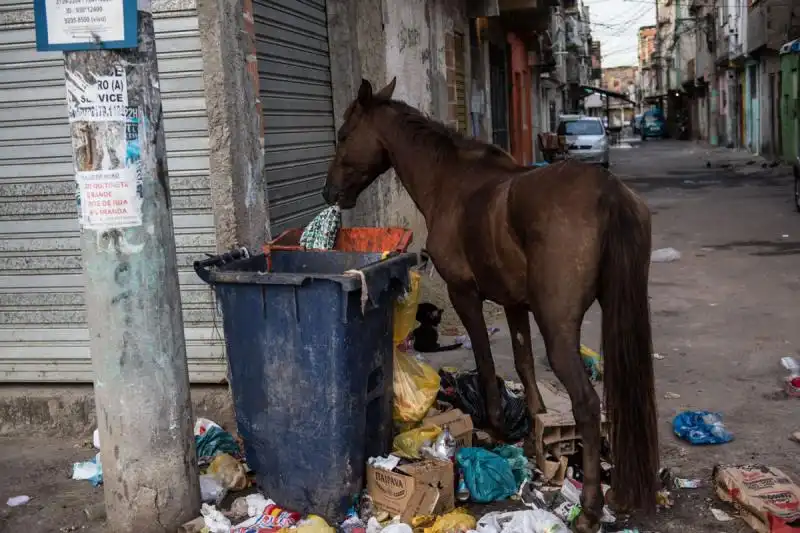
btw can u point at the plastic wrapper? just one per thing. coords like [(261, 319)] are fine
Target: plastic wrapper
[(533, 521), (211, 489), (701, 427), (409, 444), (456, 521), (416, 385), (405, 309), (464, 392), (593, 362), (487, 475)]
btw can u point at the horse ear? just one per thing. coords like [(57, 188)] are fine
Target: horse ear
[(365, 92), (387, 92)]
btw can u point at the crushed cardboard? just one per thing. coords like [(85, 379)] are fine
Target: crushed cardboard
[(766, 498), (421, 488), (556, 433), (460, 425)]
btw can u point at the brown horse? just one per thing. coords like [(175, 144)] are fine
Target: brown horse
[(548, 241)]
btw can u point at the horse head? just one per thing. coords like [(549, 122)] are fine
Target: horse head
[(360, 155)]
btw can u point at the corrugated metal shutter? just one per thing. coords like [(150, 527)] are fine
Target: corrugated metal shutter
[(461, 84), (297, 99), (43, 334)]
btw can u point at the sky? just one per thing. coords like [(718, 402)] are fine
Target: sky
[(615, 23)]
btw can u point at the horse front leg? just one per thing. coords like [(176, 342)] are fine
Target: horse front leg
[(519, 327), (469, 308)]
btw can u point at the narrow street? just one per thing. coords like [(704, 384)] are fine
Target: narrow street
[(723, 316)]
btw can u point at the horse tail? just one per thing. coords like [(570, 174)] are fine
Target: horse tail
[(627, 348)]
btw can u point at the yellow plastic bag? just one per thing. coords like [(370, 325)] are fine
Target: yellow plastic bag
[(456, 521), (416, 385), (407, 444), (405, 309), (314, 524)]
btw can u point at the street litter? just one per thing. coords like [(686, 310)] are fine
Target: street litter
[(416, 385), (211, 440), (16, 501), (488, 476), (672, 396), (796, 436), (681, 483), (567, 503), (466, 342), (211, 490), (664, 499), (272, 517), (96, 438), (314, 524), (658, 356), (91, 470), (463, 390), (215, 521), (384, 463), (519, 464), (665, 255), (229, 471), (409, 444), (421, 488), (701, 427), (593, 362), (766, 498), (529, 521), (456, 521), (721, 515)]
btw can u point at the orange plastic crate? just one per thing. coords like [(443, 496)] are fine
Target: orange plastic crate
[(364, 240)]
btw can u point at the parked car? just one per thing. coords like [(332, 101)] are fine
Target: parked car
[(587, 139), (653, 125), (636, 124)]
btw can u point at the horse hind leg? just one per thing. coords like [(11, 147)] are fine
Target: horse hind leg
[(559, 316)]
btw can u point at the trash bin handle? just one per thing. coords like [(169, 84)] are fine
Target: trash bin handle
[(203, 268)]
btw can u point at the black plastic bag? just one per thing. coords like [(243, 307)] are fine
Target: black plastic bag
[(464, 391)]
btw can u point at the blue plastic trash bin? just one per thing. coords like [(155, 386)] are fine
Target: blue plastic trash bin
[(311, 375)]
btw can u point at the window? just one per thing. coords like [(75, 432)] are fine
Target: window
[(581, 127)]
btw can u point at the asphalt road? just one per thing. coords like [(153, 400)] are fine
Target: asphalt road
[(723, 316)]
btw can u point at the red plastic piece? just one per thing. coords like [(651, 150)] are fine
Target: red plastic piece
[(364, 240)]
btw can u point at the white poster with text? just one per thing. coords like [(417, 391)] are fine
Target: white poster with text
[(109, 199)]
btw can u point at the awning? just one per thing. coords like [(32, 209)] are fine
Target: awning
[(588, 89)]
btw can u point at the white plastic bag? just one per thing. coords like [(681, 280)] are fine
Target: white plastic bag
[(665, 255), (211, 490), (215, 521), (533, 521)]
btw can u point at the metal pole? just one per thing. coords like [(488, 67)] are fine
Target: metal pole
[(133, 301)]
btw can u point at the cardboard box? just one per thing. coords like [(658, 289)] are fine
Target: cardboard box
[(556, 432), (765, 497), (460, 425), (414, 489)]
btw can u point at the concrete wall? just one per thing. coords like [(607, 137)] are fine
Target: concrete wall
[(769, 104)]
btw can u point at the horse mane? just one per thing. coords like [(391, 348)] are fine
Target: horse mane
[(449, 143)]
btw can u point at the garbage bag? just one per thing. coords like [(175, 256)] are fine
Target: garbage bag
[(211, 440), (487, 475), (314, 524), (533, 521), (405, 309), (465, 392), (408, 443), (701, 427), (416, 385), (517, 460), (456, 521)]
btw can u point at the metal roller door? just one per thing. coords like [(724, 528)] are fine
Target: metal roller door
[(43, 333), (297, 101)]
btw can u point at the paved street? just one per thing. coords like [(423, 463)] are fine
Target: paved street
[(723, 316)]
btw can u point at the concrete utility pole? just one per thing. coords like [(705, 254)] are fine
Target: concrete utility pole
[(132, 296), (659, 86)]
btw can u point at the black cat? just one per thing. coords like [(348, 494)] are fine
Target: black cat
[(426, 336)]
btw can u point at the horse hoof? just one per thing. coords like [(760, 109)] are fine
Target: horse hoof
[(585, 524)]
